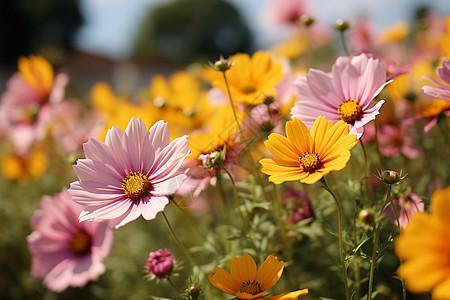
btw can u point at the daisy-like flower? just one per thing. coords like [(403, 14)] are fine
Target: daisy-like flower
[(424, 247), (246, 282), (308, 156), (344, 94), (406, 205), (27, 106), (442, 90), (130, 174), (64, 251), (250, 79)]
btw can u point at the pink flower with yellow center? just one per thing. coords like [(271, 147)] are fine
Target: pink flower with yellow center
[(344, 94), (64, 251), (130, 174)]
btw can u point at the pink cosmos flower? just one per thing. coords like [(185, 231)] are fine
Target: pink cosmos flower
[(395, 141), (344, 94), (26, 109), (406, 205), (287, 12), (160, 262), (442, 90), (130, 174), (65, 252)]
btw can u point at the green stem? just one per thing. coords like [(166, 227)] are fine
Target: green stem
[(231, 102), (366, 170), (180, 245), (188, 220), (372, 263), (344, 43), (341, 248), (377, 145), (173, 284), (356, 259), (236, 200)]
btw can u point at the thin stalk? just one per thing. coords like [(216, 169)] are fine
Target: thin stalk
[(377, 144), (173, 284), (372, 263), (231, 102), (180, 245), (236, 200), (188, 220), (310, 48), (356, 264), (366, 170), (344, 43), (341, 248)]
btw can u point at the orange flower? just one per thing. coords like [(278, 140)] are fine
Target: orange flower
[(246, 282), (307, 156), (424, 248), (250, 79)]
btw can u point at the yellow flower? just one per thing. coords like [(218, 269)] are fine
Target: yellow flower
[(424, 248), (434, 108), (250, 79), (25, 167), (115, 110), (37, 73), (444, 42), (223, 130), (394, 33), (307, 156), (245, 282), (181, 101)]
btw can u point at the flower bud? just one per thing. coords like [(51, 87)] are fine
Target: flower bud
[(159, 102), (213, 159), (390, 177), (307, 20), (222, 64), (194, 291), (341, 25), (367, 217), (160, 262)]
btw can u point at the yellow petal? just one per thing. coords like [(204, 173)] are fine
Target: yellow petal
[(298, 134), (224, 281), (282, 148), (37, 73), (440, 205), (441, 291), (288, 296), (424, 272), (318, 131), (243, 268), (269, 272)]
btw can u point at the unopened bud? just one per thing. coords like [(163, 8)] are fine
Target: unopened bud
[(307, 20), (222, 64), (390, 177), (367, 217), (159, 102), (341, 25), (194, 291)]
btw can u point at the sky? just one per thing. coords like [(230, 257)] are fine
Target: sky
[(110, 25)]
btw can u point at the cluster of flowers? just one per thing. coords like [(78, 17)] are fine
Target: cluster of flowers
[(299, 125)]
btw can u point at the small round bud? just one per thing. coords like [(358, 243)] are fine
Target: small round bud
[(222, 64), (159, 102), (390, 177), (160, 262), (307, 20), (194, 291), (367, 217), (341, 25), (189, 112), (269, 100)]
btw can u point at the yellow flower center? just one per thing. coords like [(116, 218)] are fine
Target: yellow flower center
[(350, 111), (310, 162), (252, 287), (248, 88), (136, 185), (81, 243)]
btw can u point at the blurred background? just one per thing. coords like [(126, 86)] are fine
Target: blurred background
[(129, 40)]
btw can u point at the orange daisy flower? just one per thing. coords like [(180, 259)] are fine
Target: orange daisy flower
[(424, 247), (246, 282), (250, 79), (308, 156)]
